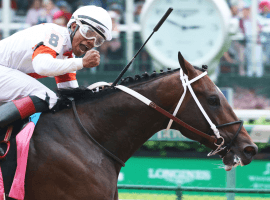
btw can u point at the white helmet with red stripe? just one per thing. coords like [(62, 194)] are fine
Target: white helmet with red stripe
[(95, 16)]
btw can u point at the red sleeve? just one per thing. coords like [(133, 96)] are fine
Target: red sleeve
[(65, 78), (44, 50)]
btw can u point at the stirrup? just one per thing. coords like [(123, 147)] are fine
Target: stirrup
[(3, 154)]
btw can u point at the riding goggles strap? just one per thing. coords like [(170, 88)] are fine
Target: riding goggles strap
[(89, 33)]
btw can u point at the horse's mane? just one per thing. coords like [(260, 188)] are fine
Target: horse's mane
[(82, 92)]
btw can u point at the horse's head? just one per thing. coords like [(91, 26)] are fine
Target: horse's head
[(215, 117)]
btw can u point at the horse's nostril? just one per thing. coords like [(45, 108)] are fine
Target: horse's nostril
[(250, 151)]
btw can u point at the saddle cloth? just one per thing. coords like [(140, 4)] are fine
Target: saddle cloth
[(17, 189)]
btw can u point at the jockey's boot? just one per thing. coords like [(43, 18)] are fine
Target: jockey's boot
[(20, 109)]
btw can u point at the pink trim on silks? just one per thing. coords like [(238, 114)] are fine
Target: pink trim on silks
[(17, 190), (2, 191)]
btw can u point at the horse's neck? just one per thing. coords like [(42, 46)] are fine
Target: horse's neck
[(123, 123)]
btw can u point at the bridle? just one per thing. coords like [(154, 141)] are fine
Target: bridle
[(222, 147)]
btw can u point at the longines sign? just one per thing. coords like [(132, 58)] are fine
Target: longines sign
[(192, 172)]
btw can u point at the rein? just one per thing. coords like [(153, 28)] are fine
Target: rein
[(90, 136), (218, 140)]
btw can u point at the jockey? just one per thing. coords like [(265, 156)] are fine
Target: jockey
[(46, 50)]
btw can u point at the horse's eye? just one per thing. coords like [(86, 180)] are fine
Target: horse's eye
[(214, 101)]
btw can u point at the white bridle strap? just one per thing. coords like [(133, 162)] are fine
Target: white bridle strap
[(134, 94), (213, 126), (183, 78), (186, 83), (123, 88)]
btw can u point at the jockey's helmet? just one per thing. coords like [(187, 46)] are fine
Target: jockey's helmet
[(96, 17)]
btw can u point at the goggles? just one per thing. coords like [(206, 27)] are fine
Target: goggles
[(89, 33)]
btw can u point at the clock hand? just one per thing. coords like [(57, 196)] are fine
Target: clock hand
[(191, 27), (183, 27), (174, 23)]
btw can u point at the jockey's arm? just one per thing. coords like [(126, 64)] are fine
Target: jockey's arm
[(46, 64), (64, 70)]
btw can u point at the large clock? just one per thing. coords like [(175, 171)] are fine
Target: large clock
[(197, 28)]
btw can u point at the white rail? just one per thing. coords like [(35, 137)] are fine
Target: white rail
[(252, 114)]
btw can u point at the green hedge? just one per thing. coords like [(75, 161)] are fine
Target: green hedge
[(164, 146)]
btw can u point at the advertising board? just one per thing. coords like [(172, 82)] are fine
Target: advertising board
[(192, 173)]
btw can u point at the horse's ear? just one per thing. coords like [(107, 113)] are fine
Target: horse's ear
[(185, 65)]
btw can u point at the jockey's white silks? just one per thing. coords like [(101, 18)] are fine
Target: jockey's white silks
[(25, 86)]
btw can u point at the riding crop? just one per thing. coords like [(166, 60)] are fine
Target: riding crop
[(154, 30)]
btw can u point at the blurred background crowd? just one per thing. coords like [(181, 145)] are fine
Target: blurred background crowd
[(235, 64), (239, 53)]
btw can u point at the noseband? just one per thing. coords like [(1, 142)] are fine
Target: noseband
[(222, 147)]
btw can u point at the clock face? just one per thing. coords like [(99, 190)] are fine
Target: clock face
[(195, 27)]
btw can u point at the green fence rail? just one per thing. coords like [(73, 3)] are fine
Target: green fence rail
[(179, 190)]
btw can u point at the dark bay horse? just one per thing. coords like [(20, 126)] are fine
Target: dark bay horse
[(64, 164)]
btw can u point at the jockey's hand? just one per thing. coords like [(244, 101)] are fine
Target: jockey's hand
[(91, 59)]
